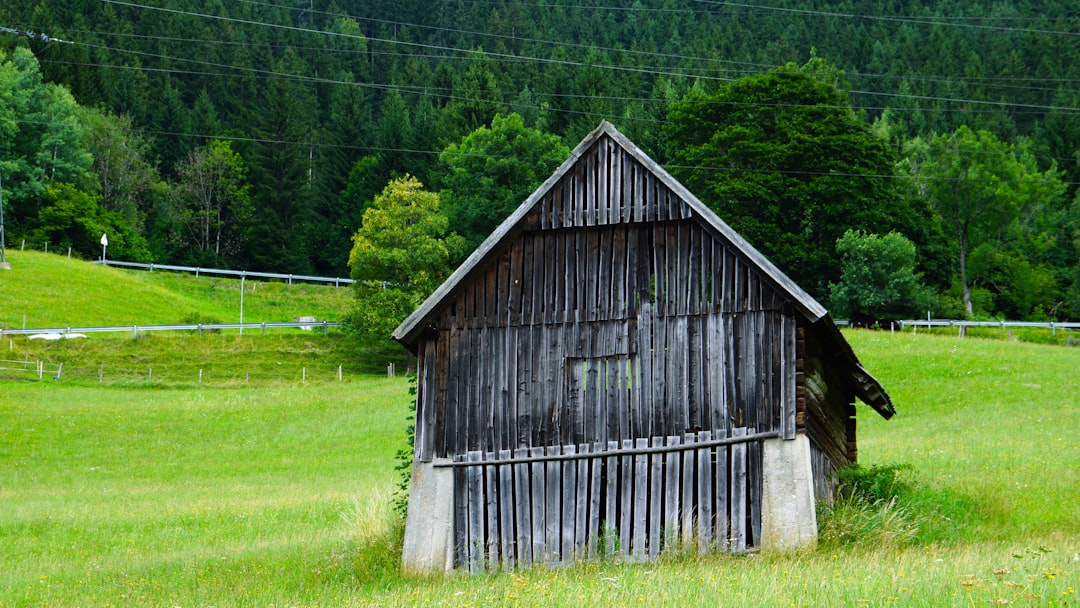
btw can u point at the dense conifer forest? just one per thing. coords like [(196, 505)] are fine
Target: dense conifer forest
[(895, 157)]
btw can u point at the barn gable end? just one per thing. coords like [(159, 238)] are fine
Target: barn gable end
[(607, 367)]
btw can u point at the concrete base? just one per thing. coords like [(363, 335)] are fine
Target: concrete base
[(429, 527), (5, 266), (788, 518)]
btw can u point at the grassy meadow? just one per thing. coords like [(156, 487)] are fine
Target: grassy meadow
[(273, 492), (46, 290), (281, 496)]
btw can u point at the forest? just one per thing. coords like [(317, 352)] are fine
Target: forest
[(895, 157)]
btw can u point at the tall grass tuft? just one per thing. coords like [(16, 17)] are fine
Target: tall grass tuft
[(872, 509)]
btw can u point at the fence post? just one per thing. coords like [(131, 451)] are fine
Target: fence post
[(303, 377), (339, 373), (59, 369), (200, 376), (324, 328)]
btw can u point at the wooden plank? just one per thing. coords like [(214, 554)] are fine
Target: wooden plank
[(619, 306), (439, 414), (523, 509), (603, 200), (461, 513), (672, 494), (738, 493), (754, 473), (590, 188), (584, 505), (788, 374), (493, 535), (554, 507), (569, 506), (706, 501), (626, 502), (427, 372), (680, 378), (538, 498), (612, 513), (689, 502), (604, 274), (596, 469), (641, 505), (656, 496), (591, 274), (507, 530), (722, 493), (476, 538)]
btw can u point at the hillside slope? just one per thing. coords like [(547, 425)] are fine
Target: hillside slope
[(45, 290)]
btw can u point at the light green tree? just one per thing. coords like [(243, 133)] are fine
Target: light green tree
[(399, 256)]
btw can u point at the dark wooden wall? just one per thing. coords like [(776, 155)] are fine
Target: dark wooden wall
[(611, 318)]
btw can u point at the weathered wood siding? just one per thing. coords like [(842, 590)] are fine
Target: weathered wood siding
[(827, 415), (611, 318), (633, 499)]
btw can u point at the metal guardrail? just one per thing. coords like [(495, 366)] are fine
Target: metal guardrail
[(1052, 326), (135, 329), (337, 281)]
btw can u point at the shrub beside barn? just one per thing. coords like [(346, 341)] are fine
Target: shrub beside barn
[(616, 371)]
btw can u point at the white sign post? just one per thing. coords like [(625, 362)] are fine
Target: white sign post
[(104, 246)]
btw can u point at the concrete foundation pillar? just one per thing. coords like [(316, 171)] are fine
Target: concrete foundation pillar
[(788, 518), (429, 526)]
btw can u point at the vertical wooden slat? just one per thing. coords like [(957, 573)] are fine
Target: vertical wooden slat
[(787, 419), (523, 509), (475, 539), (554, 507), (461, 513), (754, 473), (612, 514), (722, 492), (626, 500), (672, 493), (493, 534), (641, 493), (569, 506), (596, 469), (689, 503), (507, 529), (539, 508), (656, 497), (738, 493), (706, 501), (584, 504)]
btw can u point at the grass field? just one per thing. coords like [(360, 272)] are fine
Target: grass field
[(45, 290), (281, 496)]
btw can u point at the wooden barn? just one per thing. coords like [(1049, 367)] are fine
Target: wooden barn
[(615, 371)]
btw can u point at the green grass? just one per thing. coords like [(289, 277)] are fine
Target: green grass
[(49, 290), (280, 496)]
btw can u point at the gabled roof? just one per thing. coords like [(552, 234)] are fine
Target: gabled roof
[(863, 384)]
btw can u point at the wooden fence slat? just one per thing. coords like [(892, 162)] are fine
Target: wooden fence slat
[(583, 504), (612, 521), (641, 489), (705, 499), (507, 534), (596, 465), (569, 506), (656, 493), (753, 450), (689, 476), (491, 510), (475, 535), (461, 514), (554, 507), (539, 509), (626, 504), (722, 490), (672, 493), (738, 493), (523, 507)]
